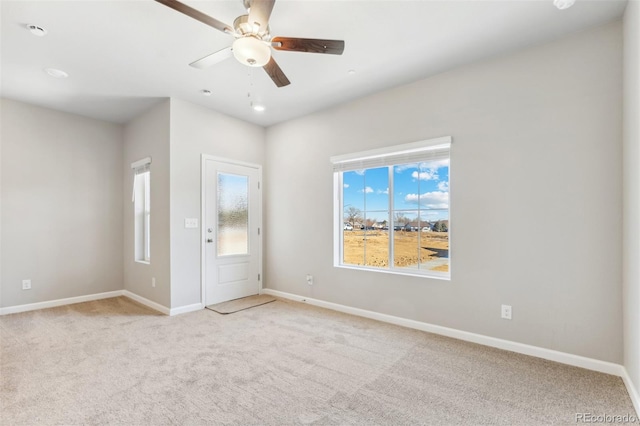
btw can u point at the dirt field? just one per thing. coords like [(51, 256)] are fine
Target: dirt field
[(371, 248)]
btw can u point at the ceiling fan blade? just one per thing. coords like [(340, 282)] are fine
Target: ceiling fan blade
[(273, 69), (213, 59), (196, 14), (260, 11), (312, 45)]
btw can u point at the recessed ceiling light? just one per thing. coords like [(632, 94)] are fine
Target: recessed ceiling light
[(563, 4), (258, 107), (56, 73), (36, 30), (206, 92)]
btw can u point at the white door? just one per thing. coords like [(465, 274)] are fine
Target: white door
[(232, 217)]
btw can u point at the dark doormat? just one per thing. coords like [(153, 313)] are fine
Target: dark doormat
[(241, 304)]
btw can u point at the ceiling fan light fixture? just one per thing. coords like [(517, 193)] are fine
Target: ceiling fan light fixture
[(251, 51), (563, 4)]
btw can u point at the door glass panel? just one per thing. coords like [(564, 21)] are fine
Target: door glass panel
[(233, 214)]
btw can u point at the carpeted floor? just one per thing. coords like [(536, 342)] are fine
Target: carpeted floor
[(116, 362)]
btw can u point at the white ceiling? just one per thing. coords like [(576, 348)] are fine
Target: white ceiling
[(123, 56)]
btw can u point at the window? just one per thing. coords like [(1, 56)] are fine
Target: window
[(142, 210), (392, 209)]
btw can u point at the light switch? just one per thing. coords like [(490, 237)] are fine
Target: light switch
[(191, 222)]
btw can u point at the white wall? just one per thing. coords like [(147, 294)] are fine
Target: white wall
[(195, 131), (536, 196), (148, 136), (61, 204), (631, 194)]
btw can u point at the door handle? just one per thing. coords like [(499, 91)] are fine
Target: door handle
[(209, 240)]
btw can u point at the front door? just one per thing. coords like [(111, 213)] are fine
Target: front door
[(232, 212)]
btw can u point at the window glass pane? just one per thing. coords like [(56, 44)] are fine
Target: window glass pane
[(233, 214), (406, 181), (376, 189), (142, 216), (376, 239), (405, 239), (147, 218), (434, 242), (353, 248), (353, 191), (434, 208)]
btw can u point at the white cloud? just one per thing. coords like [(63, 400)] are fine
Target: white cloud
[(380, 191), (346, 185), (430, 200), (431, 174), (367, 190), (443, 186)]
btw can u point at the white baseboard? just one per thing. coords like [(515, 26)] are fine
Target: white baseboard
[(90, 297), (633, 391), (186, 309), (59, 302), (146, 302), (549, 354)]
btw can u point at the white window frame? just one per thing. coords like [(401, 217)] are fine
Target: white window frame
[(388, 156), (142, 210)]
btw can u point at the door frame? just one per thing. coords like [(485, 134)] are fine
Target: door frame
[(203, 230)]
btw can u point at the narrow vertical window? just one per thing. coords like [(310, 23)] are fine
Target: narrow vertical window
[(142, 210)]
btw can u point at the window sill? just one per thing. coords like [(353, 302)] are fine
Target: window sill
[(144, 262), (430, 275)]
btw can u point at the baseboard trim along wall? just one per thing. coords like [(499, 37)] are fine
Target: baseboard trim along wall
[(633, 391), (59, 302), (186, 309), (146, 302), (549, 354), (90, 297)]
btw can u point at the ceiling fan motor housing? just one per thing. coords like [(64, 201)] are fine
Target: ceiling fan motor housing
[(243, 28)]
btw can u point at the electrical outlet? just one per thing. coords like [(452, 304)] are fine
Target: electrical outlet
[(26, 284), (153, 281), (309, 279), (506, 312)]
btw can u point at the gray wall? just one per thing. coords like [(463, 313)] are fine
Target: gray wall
[(148, 136), (194, 131), (631, 193), (536, 196), (61, 204)]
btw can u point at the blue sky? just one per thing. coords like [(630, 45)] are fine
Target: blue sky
[(419, 190)]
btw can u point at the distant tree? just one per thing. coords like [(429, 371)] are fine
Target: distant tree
[(370, 222), (441, 226), (352, 215), (401, 219)]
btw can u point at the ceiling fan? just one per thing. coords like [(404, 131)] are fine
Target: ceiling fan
[(253, 41)]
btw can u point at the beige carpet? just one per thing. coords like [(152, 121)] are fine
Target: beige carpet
[(238, 305), (116, 362)]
